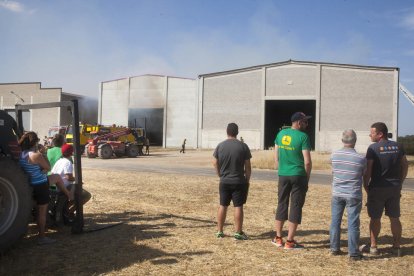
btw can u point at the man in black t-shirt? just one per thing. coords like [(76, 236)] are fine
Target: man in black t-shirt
[(232, 164), (387, 168)]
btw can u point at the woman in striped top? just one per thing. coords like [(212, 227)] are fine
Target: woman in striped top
[(37, 166)]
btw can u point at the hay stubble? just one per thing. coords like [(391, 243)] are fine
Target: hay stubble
[(169, 225)]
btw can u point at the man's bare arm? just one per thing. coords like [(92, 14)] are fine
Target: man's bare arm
[(276, 157), (70, 177), (247, 170), (216, 166), (404, 168), (308, 162), (367, 175)]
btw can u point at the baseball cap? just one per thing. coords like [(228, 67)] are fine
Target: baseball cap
[(67, 150), (299, 116)]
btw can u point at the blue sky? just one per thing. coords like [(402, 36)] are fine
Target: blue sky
[(77, 44)]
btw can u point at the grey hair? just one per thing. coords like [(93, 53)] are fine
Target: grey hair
[(349, 137)]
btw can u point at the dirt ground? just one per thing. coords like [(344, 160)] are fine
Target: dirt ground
[(168, 223)]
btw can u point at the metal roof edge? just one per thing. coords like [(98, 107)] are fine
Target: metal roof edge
[(33, 82), (23, 83), (291, 61), (147, 75), (73, 95)]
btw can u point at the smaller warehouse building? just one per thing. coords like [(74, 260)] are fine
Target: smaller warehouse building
[(165, 106), (39, 120)]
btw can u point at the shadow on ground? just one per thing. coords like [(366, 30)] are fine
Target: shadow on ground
[(99, 252)]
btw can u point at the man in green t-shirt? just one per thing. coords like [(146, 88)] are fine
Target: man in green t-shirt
[(55, 153), (293, 161)]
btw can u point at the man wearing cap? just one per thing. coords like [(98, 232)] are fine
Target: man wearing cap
[(348, 168), (387, 168), (293, 161), (232, 164), (64, 167)]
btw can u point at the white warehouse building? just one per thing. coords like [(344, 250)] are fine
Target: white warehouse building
[(261, 100), (165, 106), (40, 120)]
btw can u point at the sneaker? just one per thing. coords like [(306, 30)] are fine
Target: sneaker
[(364, 248), (45, 240), (241, 236), (293, 245), (219, 234), (373, 251), (356, 258), (278, 241), (335, 252), (397, 251)]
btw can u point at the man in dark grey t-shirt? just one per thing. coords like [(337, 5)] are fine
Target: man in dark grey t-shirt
[(232, 164), (386, 171)]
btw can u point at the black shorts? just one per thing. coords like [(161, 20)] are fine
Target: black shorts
[(233, 192), (293, 188), (384, 197), (41, 193), (86, 196)]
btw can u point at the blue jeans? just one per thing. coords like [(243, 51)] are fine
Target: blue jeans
[(353, 208)]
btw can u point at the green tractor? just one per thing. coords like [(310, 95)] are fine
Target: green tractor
[(15, 192)]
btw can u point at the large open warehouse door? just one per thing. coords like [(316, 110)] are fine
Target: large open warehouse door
[(151, 119), (278, 113)]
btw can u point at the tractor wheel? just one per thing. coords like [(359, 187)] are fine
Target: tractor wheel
[(105, 151), (15, 203), (132, 151), (89, 154)]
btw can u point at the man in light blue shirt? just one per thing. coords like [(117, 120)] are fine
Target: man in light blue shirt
[(348, 168)]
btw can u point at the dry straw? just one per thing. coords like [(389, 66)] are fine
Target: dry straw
[(169, 224), (264, 159)]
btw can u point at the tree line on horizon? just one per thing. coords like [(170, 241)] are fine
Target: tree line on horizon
[(408, 143)]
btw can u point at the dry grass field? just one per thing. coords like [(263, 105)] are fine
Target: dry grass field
[(320, 161), (168, 226)]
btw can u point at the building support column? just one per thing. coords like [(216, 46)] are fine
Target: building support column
[(396, 95), (263, 111), (164, 124), (200, 112), (318, 96), (100, 104)]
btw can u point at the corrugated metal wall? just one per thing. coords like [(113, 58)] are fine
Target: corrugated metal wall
[(292, 80), (345, 96), (146, 105), (182, 112), (114, 102), (232, 98), (340, 96), (165, 106), (355, 98)]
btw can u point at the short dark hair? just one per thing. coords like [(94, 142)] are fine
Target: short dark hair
[(380, 127), (232, 130), (58, 140)]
